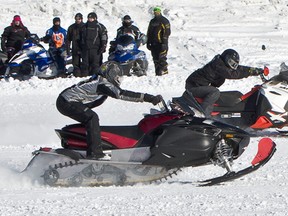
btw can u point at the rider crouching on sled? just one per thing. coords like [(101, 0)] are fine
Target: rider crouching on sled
[(204, 82), (78, 100)]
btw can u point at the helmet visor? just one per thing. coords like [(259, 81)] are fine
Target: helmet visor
[(118, 80), (232, 63)]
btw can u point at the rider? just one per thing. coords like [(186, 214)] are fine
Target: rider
[(205, 81), (13, 37), (127, 28), (78, 100)]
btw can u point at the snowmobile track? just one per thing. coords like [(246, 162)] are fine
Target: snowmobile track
[(105, 173)]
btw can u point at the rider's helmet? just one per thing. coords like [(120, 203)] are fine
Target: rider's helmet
[(127, 21), (231, 58), (112, 72)]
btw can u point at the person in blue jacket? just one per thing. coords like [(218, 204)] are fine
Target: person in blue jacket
[(56, 36)]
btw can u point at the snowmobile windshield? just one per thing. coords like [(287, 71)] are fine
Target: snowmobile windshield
[(281, 77), (126, 39)]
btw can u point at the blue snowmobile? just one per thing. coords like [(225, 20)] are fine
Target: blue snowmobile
[(125, 51)]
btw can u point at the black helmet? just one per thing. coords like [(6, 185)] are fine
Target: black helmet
[(231, 58), (78, 16), (126, 17), (126, 20), (92, 15), (112, 72)]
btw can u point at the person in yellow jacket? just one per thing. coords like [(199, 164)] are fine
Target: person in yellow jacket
[(157, 41)]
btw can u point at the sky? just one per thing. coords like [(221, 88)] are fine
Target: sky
[(200, 30)]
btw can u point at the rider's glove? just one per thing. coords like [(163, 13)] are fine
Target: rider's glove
[(102, 49), (68, 52), (148, 45), (153, 99), (256, 71), (4, 49)]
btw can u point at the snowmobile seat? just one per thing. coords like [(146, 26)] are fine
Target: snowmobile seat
[(229, 98), (74, 136)]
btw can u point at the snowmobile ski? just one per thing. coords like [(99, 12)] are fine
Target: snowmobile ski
[(266, 149), (277, 133)]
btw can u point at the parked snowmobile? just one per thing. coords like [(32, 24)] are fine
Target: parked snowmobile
[(132, 60), (32, 60), (155, 148), (265, 106)]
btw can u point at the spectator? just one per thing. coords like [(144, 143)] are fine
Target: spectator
[(13, 37), (93, 36), (56, 37), (157, 41), (74, 38)]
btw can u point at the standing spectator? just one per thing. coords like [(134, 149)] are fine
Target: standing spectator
[(157, 41), (127, 28), (13, 37), (74, 38), (93, 38), (56, 37)]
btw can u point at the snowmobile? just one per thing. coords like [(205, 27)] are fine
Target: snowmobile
[(32, 60), (156, 148), (264, 106), (132, 60)]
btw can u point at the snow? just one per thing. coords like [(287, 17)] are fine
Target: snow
[(200, 29)]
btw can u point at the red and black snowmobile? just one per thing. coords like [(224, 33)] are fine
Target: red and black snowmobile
[(265, 106), (155, 148)]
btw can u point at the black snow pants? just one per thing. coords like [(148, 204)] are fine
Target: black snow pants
[(91, 59), (160, 59), (86, 116), (209, 94)]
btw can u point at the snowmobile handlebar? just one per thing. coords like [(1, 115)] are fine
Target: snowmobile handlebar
[(163, 106), (264, 74), (34, 38)]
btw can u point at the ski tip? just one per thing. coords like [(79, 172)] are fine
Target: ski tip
[(266, 148)]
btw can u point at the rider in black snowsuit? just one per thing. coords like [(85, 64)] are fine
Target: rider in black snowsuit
[(203, 82), (127, 28), (78, 100)]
